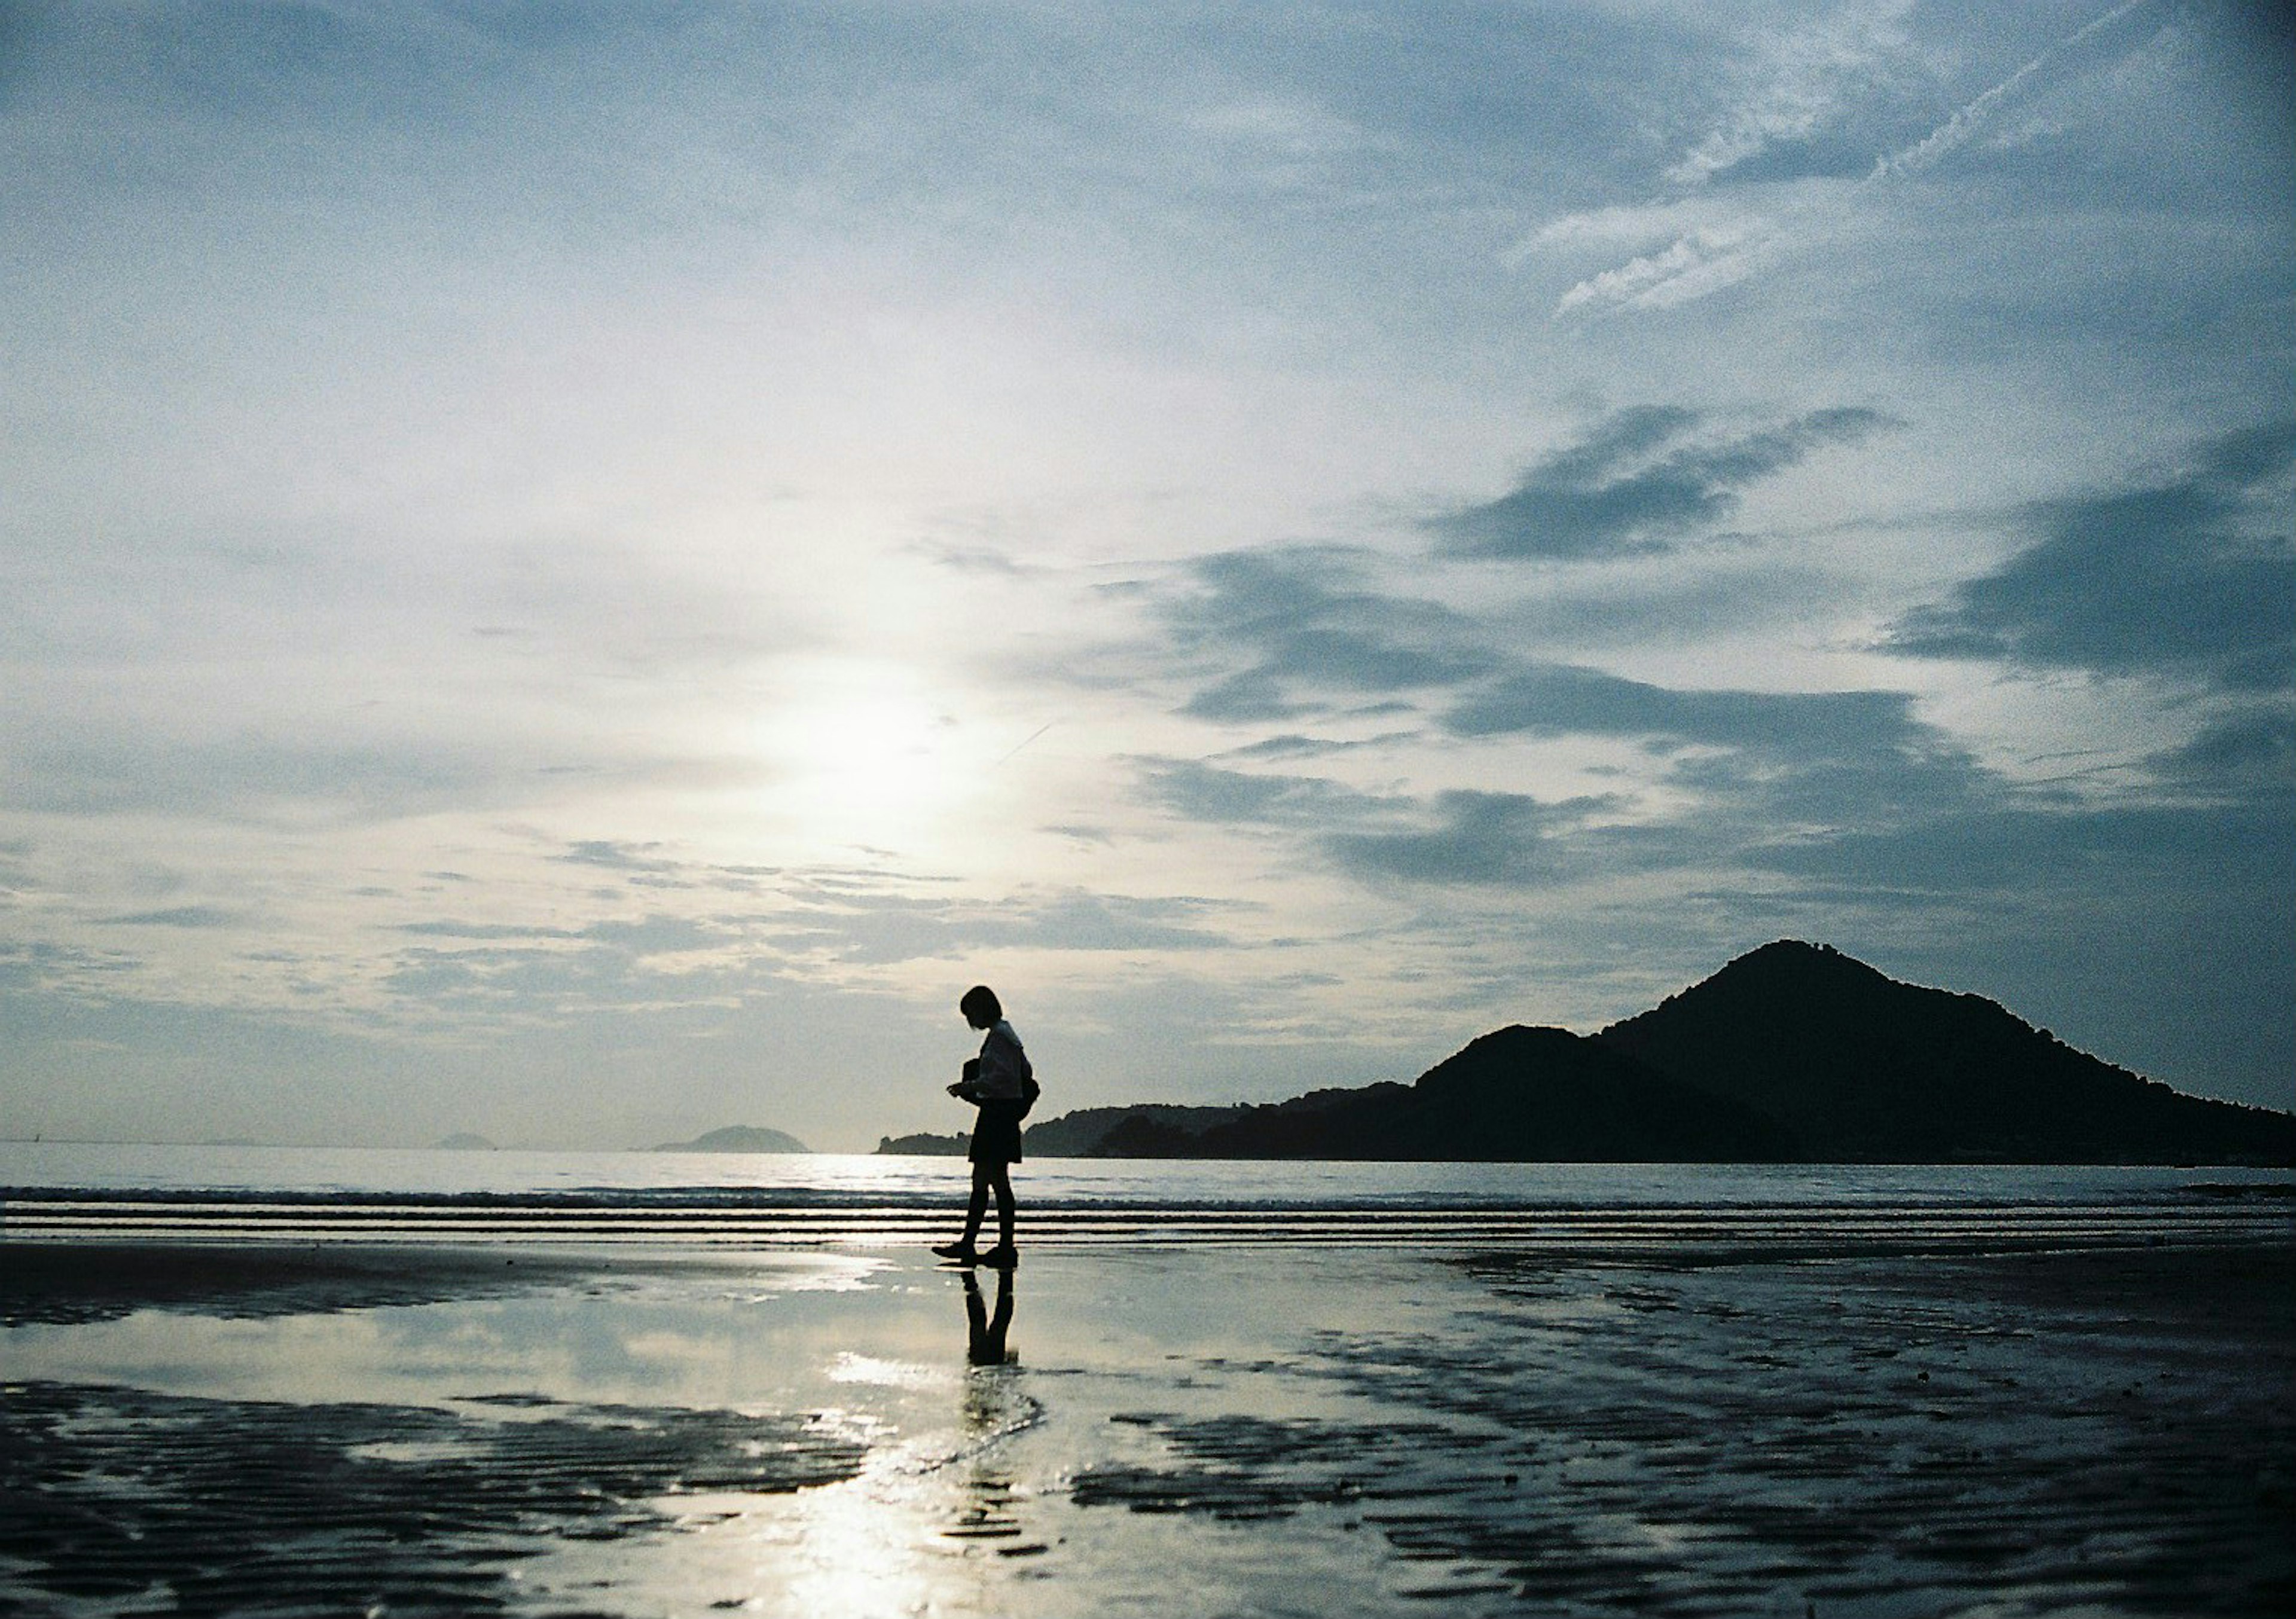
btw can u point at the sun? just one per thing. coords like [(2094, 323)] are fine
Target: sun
[(861, 752)]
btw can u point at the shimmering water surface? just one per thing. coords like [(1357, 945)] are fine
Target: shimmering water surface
[(244, 1380), (68, 1190)]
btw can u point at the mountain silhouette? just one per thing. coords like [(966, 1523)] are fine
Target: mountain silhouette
[(1794, 1052), (1518, 1095), (1861, 1067)]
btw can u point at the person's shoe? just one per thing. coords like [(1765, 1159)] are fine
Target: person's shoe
[(1000, 1258), (963, 1253)]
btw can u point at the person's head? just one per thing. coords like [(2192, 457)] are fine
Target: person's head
[(980, 1007)]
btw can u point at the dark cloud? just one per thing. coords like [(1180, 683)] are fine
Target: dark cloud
[(450, 929), (2250, 748), (1637, 481), (1555, 700), (1477, 837), (2192, 576), (1796, 757), (2139, 855), (1756, 767), (1208, 793), (615, 856), (180, 916), (1293, 746), (1301, 620), (1255, 694)]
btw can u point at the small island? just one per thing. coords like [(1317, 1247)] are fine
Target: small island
[(737, 1138)]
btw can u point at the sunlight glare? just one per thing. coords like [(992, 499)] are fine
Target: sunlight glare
[(864, 755)]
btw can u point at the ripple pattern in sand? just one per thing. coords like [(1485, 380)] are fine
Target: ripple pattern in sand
[(2015, 1436), (114, 1496)]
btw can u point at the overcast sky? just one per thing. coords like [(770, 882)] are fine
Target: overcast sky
[(579, 572)]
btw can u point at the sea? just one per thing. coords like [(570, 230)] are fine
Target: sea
[(81, 1192)]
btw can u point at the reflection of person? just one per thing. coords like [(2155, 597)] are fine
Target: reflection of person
[(1001, 1083), (984, 1341)]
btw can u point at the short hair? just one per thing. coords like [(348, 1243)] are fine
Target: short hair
[(980, 1004)]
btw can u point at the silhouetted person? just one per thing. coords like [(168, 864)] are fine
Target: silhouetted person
[(1001, 1083), (984, 1341)]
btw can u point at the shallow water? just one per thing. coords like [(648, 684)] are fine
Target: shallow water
[(1200, 1428), (236, 1380)]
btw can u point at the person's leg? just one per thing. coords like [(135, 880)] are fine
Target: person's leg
[(1004, 1185), (975, 1207), (978, 1206)]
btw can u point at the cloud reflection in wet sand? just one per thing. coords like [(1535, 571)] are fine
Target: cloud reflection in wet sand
[(1235, 1430)]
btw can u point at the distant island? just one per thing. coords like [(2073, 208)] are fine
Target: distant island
[(737, 1138), (926, 1145), (463, 1141), (1792, 1053)]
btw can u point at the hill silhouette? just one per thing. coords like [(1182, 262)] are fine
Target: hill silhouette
[(1515, 1095), (1087, 1132), (1794, 1052), (1861, 1067)]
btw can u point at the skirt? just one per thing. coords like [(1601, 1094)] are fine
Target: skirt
[(996, 1133)]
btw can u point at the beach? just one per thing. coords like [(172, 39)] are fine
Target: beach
[(2092, 1423)]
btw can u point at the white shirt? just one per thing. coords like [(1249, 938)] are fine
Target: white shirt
[(1004, 1065)]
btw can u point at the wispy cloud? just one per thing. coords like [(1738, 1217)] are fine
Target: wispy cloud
[(2101, 41), (1637, 482), (1722, 251)]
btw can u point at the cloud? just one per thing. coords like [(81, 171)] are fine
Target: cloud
[(1208, 793), (887, 929), (1797, 134), (1746, 769), (2243, 748), (1733, 773), (179, 916), (2185, 576), (252, 779), (1481, 839), (616, 856), (2103, 39), (1557, 700), (1291, 745), (2135, 854), (1637, 481), (1808, 101), (451, 929), (1302, 620)]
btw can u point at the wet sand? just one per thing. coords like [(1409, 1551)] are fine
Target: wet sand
[(1202, 1430)]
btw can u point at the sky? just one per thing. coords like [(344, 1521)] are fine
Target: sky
[(577, 572)]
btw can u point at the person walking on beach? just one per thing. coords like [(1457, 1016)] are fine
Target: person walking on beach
[(1001, 1083)]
